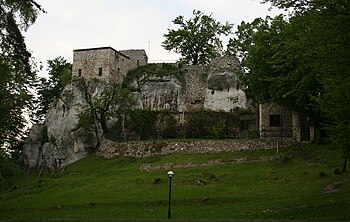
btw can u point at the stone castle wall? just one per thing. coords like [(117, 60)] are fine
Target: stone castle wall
[(195, 86)]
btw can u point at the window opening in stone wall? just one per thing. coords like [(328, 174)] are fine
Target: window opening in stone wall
[(275, 120), (118, 71), (79, 72), (100, 71), (138, 62), (116, 57)]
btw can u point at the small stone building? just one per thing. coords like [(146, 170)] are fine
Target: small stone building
[(279, 122), (106, 63)]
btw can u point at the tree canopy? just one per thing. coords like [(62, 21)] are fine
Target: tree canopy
[(16, 68), (197, 39), (60, 74), (301, 61)]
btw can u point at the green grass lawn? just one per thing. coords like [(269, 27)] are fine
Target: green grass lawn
[(291, 187)]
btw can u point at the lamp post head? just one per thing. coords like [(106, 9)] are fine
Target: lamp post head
[(170, 174)]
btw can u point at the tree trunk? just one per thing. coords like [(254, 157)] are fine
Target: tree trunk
[(344, 164), (318, 135), (123, 126), (103, 123)]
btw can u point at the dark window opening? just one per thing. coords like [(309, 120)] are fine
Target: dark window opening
[(100, 71), (275, 120), (213, 92), (79, 72), (118, 71), (116, 57), (138, 62)]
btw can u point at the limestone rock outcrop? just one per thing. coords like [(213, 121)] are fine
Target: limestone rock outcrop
[(60, 141), (162, 93), (224, 91)]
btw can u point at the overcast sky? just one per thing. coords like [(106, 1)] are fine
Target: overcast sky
[(127, 24)]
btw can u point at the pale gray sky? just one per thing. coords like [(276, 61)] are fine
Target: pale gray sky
[(127, 24)]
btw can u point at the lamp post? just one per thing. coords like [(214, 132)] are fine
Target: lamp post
[(170, 175)]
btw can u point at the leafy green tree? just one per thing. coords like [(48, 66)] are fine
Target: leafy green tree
[(8, 166), (60, 74), (278, 63), (301, 62), (16, 68), (197, 40), (335, 105), (326, 43), (112, 103)]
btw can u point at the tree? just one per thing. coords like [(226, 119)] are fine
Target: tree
[(197, 40), (329, 31), (60, 74), (302, 62), (17, 71), (276, 54), (335, 106), (112, 103)]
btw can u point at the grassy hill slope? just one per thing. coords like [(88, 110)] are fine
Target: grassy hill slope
[(299, 184)]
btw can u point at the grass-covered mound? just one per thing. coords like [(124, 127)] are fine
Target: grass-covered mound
[(301, 183)]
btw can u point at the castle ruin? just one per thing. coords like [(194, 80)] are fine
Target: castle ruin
[(213, 87)]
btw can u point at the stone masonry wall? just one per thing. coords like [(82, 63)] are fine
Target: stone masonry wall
[(89, 61), (111, 149), (195, 86), (136, 58)]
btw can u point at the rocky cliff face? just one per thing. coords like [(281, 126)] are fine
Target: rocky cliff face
[(161, 93), (224, 91), (60, 140)]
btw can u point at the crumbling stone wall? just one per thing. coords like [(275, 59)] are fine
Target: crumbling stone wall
[(195, 86), (111, 149)]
